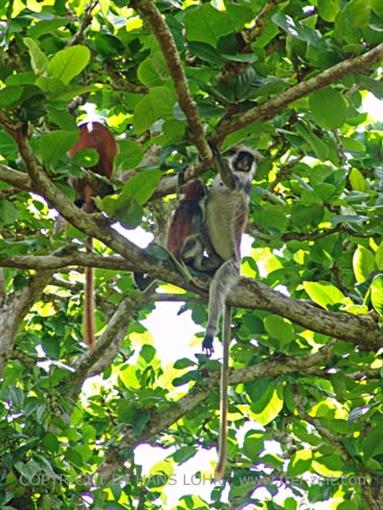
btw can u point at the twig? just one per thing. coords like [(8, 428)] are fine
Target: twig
[(85, 22)]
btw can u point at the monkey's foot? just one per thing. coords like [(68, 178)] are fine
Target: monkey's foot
[(207, 345)]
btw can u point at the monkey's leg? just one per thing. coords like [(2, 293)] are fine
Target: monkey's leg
[(224, 387), (223, 281)]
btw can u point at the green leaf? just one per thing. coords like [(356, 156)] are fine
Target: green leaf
[(272, 408), (51, 443), (207, 53), (153, 71), (357, 180), (323, 293), (377, 7), (151, 108), (363, 263), (379, 257), (68, 63), (183, 363), (290, 504), (124, 412), (147, 353), (39, 61), (279, 328), (206, 24), (10, 95), (319, 147), (300, 462), (259, 393), (302, 215), (8, 212), (373, 443), (51, 346), (53, 146), (130, 154), (139, 421), (377, 293), (358, 12), (253, 444), (272, 217), (28, 470), (296, 29), (328, 9), (329, 108), (183, 454), (141, 186)]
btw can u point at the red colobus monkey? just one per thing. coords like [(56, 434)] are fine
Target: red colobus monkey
[(226, 213), (187, 237), (93, 135)]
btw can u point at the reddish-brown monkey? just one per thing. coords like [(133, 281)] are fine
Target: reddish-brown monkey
[(93, 135), (187, 236)]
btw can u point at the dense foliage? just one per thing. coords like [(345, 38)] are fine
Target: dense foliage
[(289, 78)]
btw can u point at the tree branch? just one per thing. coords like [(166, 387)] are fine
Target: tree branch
[(86, 20), (159, 423), (13, 309), (362, 330), (14, 178), (275, 105), (153, 18)]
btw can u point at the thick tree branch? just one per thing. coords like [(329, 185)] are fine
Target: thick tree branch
[(361, 330), (94, 362), (13, 309), (159, 423), (153, 18), (275, 105)]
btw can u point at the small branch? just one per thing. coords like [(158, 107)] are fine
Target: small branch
[(329, 436), (269, 109), (153, 18), (9, 126), (283, 172), (109, 343), (260, 19), (15, 178), (312, 236), (85, 22)]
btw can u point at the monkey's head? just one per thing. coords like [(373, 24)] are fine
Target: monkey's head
[(194, 190), (243, 160)]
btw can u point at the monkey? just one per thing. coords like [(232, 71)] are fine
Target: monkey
[(93, 135), (187, 237), (226, 214)]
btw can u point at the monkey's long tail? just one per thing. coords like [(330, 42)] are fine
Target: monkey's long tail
[(89, 320), (222, 446)]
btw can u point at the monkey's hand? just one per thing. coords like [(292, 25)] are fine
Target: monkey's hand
[(207, 345)]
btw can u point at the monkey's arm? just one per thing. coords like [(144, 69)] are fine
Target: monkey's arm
[(227, 176)]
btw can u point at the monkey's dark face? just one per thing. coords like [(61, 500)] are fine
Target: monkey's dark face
[(243, 161)]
